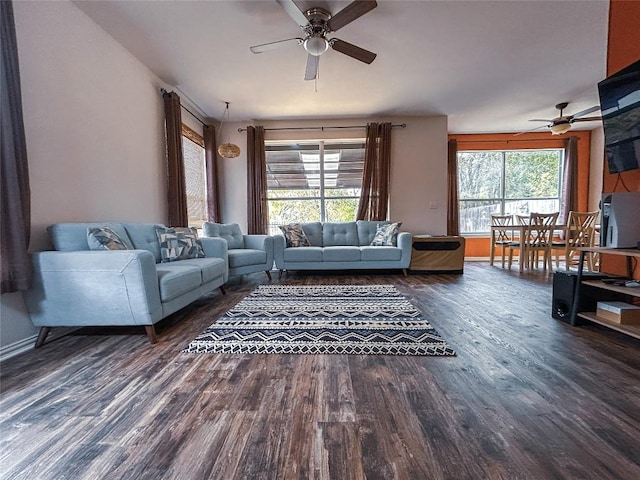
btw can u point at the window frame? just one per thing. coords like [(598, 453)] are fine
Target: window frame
[(503, 199), (317, 147)]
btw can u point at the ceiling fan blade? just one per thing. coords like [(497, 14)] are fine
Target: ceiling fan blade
[(294, 12), (586, 119), (595, 108), (312, 67), (272, 45), (355, 52), (532, 130), (350, 13), (540, 120)]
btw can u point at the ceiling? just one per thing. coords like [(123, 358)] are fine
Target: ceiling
[(489, 66)]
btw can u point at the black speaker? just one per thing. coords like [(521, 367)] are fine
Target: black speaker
[(564, 284)]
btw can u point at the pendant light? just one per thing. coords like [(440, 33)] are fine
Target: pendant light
[(227, 150)]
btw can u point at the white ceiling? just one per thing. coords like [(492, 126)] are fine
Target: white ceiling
[(490, 66)]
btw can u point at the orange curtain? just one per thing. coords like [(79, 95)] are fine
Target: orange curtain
[(374, 197)]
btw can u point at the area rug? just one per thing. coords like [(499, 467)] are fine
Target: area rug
[(323, 319)]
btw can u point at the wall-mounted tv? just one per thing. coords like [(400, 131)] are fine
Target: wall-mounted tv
[(620, 107)]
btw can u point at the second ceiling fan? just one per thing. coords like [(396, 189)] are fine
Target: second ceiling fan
[(562, 123), (317, 23)]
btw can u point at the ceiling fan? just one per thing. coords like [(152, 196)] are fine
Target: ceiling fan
[(317, 23), (562, 123)]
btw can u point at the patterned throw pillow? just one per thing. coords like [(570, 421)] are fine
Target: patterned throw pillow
[(179, 243), (294, 235), (386, 235), (103, 238)]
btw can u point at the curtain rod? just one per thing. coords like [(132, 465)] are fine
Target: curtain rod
[(163, 91), (509, 141), (402, 125)]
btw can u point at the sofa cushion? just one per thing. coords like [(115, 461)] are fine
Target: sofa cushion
[(313, 231), (294, 235), (241, 257), (72, 237), (387, 235), (229, 231), (177, 278), (303, 254), (384, 254), (367, 230), (103, 238), (341, 254), (339, 234), (144, 237), (179, 243), (210, 268)]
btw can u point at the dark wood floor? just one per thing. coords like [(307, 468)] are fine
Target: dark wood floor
[(527, 397)]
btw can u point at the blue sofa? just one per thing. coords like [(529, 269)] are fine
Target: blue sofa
[(75, 286), (342, 246)]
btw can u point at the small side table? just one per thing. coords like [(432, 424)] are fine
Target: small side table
[(437, 254)]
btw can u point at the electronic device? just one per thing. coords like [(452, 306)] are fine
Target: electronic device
[(620, 219), (620, 107)]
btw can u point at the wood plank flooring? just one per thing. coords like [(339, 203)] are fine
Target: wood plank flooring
[(526, 397)]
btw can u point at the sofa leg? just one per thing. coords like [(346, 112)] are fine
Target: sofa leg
[(42, 336), (280, 274), (151, 333), (223, 290), (404, 271), (268, 274)]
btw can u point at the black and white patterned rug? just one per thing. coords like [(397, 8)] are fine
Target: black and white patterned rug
[(323, 319)]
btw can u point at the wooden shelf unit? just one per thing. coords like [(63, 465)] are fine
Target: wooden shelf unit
[(629, 253)]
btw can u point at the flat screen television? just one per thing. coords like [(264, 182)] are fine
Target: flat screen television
[(620, 107)]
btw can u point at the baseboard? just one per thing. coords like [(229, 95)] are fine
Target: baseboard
[(17, 348)]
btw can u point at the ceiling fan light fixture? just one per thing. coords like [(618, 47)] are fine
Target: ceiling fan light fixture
[(316, 45), (560, 128)]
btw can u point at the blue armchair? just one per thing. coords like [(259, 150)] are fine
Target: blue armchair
[(247, 253)]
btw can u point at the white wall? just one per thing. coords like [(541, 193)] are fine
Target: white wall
[(94, 119), (418, 168)]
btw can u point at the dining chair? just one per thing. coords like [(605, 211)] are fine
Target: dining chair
[(501, 235), (535, 239), (580, 232)]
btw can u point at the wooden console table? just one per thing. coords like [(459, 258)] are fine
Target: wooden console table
[(629, 253)]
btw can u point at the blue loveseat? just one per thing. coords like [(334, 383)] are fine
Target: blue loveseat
[(342, 246), (75, 286)]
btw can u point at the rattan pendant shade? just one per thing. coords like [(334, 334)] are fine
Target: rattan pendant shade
[(228, 149)]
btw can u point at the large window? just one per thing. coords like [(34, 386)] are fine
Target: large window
[(506, 182), (195, 178), (313, 181)]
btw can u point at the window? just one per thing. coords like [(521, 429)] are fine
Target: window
[(313, 181), (506, 182), (195, 176)]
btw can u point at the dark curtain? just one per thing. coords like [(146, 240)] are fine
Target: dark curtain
[(374, 197), (453, 207), (177, 190), (256, 182), (569, 194), (15, 201), (211, 174)]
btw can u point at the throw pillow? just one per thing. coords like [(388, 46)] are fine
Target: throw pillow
[(386, 235), (179, 243), (103, 238), (294, 235)]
